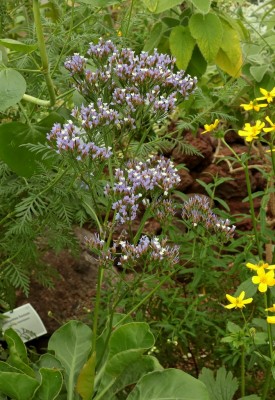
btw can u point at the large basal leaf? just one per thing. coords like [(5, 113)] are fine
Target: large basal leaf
[(17, 386), (202, 5), (51, 384), (12, 88), (71, 344), (169, 384), (207, 30), (229, 57), (158, 6), (18, 46), (181, 45), (15, 134)]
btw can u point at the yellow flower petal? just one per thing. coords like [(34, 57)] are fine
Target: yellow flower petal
[(270, 319)]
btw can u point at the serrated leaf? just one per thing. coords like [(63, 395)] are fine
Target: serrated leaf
[(223, 387), (208, 32), (154, 37), (202, 5), (181, 45), (229, 57), (12, 88), (18, 46)]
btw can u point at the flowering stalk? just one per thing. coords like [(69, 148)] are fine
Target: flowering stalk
[(43, 55)]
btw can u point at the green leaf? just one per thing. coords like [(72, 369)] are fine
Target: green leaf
[(197, 65), (51, 384), (159, 6), (17, 352), (223, 387), (154, 37), (232, 327), (202, 5), (248, 287), (15, 134), (229, 56), (17, 386), (169, 384), (252, 396), (71, 344), (12, 88), (258, 71), (18, 46), (100, 3), (181, 45), (47, 360), (207, 30), (83, 386)]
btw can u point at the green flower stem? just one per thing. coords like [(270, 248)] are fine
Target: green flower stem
[(43, 51), (35, 100), (251, 204), (270, 340), (129, 18), (243, 371), (147, 297)]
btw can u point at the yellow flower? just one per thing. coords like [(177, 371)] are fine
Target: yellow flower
[(237, 302), (271, 124), (253, 105), (270, 320), (272, 309), (263, 279), (251, 132), (119, 33), (211, 127), (268, 96), (261, 264)]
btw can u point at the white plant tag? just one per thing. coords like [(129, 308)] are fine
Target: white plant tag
[(25, 321)]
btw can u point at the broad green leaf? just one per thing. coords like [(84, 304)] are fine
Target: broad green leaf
[(232, 327), (83, 386), (17, 386), (154, 37), (207, 30), (158, 6), (18, 46), (169, 384), (100, 3), (132, 374), (47, 360), (229, 57), (181, 45), (51, 384), (71, 344), (258, 71), (17, 352), (12, 88), (202, 5), (15, 134), (15, 344), (197, 65), (223, 387), (248, 287)]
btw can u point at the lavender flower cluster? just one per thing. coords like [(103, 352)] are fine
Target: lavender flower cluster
[(197, 213), (154, 249), (74, 139), (138, 180), (129, 81)]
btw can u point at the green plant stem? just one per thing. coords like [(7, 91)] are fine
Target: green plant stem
[(243, 372), (249, 191), (43, 51), (150, 293), (129, 19), (270, 341), (35, 100)]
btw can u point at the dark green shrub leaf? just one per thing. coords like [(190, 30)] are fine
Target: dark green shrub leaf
[(12, 88)]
